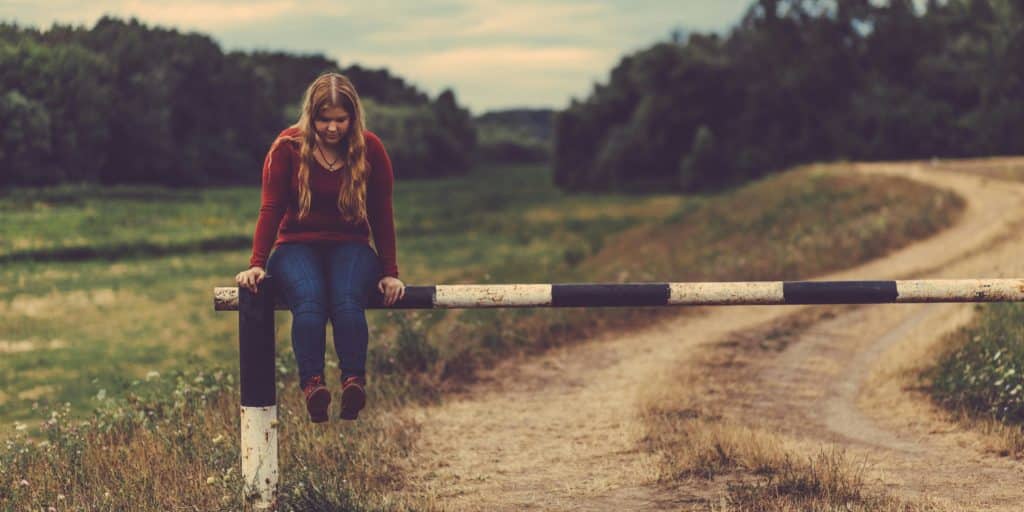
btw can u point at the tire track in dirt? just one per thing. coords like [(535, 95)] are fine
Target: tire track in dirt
[(851, 371), (561, 431)]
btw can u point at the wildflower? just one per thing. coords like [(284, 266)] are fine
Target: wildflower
[(152, 375), (102, 395), (20, 426)]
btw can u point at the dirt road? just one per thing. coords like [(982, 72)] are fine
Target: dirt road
[(562, 431)]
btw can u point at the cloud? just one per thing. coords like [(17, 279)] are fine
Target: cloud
[(493, 53), (474, 60), (205, 14)]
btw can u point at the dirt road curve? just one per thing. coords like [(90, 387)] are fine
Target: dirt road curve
[(561, 431)]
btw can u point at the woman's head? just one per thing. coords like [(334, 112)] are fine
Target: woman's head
[(331, 110), (332, 116)]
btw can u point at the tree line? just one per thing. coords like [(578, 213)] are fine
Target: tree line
[(122, 102), (797, 81)]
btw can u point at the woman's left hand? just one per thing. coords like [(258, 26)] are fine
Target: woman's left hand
[(392, 288)]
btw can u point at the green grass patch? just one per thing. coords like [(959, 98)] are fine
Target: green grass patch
[(982, 371)]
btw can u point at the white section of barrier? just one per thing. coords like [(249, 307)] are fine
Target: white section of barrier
[(960, 290), (259, 456), (767, 292), (492, 295)]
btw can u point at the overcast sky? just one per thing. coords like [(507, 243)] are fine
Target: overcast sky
[(492, 53)]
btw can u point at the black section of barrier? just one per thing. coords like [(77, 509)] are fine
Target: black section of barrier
[(416, 297), (256, 345), (627, 294), (839, 292)]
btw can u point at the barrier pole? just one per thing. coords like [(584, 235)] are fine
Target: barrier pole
[(259, 396), (685, 294)]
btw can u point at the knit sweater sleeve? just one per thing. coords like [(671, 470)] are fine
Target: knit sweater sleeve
[(379, 208), (273, 201)]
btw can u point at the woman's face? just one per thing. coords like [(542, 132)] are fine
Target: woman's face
[(331, 124)]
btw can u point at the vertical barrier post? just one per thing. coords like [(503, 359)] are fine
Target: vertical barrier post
[(259, 395)]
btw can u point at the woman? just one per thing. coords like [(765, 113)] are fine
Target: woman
[(327, 183)]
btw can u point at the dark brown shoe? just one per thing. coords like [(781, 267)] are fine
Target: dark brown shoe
[(318, 399), (353, 397)]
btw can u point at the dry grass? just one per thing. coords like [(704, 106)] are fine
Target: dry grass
[(825, 482), (145, 455), (1000, 438), (737, 465)]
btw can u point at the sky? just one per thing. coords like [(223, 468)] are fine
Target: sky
[(494, 54)]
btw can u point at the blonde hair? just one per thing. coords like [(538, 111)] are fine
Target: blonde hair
[(327, 91)]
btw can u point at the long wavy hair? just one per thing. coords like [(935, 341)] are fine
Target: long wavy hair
[(327, 91)]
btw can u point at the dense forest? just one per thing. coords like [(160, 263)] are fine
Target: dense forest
[(798, 81), (794, 81), (125, 103)]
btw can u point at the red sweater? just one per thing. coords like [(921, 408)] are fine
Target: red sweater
[(279, 223)]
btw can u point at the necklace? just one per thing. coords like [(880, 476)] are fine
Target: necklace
[(330, 165)]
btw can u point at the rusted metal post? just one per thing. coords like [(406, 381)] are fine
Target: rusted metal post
[(259, 395)]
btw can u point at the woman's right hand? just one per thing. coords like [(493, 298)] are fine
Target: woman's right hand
[(250, 278)]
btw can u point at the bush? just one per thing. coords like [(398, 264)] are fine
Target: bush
[(984, 373)]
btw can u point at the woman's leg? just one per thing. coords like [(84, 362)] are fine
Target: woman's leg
[(353, 271), (300, 277)]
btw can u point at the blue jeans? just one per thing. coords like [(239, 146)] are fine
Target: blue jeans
[(327, 280)]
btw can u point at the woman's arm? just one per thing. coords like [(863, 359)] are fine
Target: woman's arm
[(378, 204), (273, 201)]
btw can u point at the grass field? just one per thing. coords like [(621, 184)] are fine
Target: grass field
[(132, 334), (72, 329)]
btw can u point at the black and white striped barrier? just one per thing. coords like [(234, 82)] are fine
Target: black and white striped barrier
[(687, 294), (256, 327)]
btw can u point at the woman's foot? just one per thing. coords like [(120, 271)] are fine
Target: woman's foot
[(353, 397), (318, 399)]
